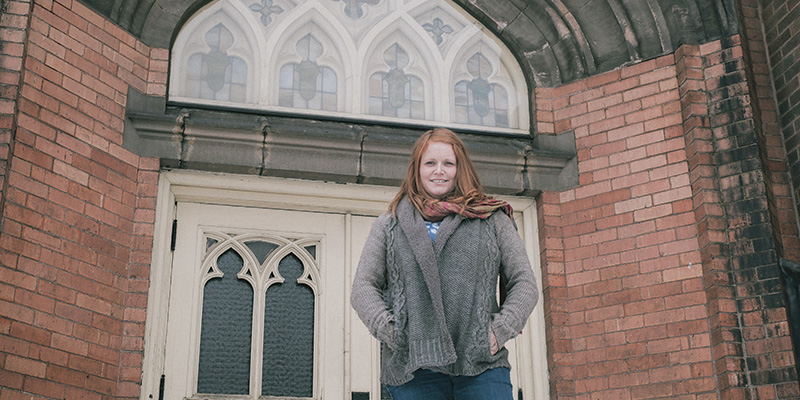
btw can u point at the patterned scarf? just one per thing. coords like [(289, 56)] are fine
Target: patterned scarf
[(437, 210)]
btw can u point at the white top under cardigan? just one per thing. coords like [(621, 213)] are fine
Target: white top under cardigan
[(432, 303)]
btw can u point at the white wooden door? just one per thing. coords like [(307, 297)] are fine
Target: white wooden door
[(325, 247), (260, 247)]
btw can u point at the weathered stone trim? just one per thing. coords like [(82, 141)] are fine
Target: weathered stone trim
[(291, 147)]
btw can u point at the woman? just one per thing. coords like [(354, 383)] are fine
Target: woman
[(426, 282)]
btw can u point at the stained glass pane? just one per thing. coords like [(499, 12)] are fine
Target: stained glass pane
[(500, 98), (214, 74), (479, 102), (309, 86), (289, 335), (328, 81), (329, 101), (395, 94), (287, 76), (238, 80), (226, 331), (461, 102), (500, 106)]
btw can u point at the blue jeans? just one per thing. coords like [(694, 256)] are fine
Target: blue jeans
[(493, 384)]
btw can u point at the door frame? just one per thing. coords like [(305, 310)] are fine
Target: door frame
[(294, 194)]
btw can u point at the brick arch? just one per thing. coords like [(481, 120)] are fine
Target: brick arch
[(555, 41)]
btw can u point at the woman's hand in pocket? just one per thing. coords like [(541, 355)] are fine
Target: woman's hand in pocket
[(493, 348)]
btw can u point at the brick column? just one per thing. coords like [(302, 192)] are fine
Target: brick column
[(710, 217), (14, 16), (635, 316), (740, 235), (782, 46), (555, 299)]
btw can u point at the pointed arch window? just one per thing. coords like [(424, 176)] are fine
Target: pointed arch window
[(214, 74), (306, 84), (478, 102), (395, 93), (393, 61), (258, 300), (226, 329)]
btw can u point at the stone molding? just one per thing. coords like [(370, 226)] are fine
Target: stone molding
[(336, 151)]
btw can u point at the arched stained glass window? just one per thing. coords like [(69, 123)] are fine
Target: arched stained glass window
[(307, 84), (394, 93), (394, 61), (215, 75), (478, 102)]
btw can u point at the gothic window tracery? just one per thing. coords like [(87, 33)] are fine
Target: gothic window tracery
[(377, 60), (250, 281), (437, 28), (354, 8), (266, 9)]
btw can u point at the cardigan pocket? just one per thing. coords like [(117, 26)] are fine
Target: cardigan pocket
[(386, 333), (487, 356)]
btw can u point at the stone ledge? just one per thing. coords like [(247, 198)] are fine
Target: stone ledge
[(283, 146)]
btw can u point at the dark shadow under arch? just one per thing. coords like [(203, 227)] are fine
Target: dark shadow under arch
[(555, 41)]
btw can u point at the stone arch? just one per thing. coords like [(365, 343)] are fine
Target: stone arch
[(555, 41)]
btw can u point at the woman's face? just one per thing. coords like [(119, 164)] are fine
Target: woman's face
[(437, 169)]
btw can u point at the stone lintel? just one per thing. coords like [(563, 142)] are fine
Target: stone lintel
[(345, 152)]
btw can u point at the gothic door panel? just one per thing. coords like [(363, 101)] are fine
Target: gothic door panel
[(256, 305)]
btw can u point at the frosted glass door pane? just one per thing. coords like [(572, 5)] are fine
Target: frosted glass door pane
[(225, 334), (289, 334)]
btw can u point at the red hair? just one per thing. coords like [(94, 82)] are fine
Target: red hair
[(467, 187)]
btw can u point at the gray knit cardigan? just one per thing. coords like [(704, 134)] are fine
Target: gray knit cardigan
[(431, 304)]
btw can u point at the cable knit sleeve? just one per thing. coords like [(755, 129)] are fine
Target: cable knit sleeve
[(522, 293), (369, 283)]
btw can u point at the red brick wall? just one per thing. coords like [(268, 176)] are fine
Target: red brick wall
[(660, 269), (768, 129), (629, 315), (77, 227), (781, 24)]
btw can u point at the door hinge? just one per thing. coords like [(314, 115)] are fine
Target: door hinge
[(161, 388), (174, 234)]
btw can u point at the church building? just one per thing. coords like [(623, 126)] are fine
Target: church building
[(186, 187)]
